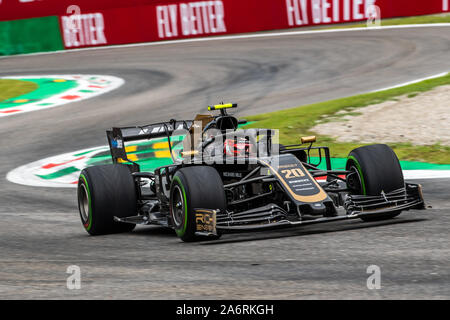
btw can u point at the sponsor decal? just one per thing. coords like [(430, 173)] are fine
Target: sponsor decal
[(57, 90), (80, 30), (306, 12), (117, 143), (190, 19), (205, 220), (301, 189)]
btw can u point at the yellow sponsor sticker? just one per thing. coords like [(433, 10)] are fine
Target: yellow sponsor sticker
[(161, 145), (131, 157), (130, 149), (162, 154)]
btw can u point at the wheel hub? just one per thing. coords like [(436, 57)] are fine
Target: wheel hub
[(178, 206), (83, 201)]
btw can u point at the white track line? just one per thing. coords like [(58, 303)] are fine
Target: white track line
[(412, 82), (236, 37), (426, 174)]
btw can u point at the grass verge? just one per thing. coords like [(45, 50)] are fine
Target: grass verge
[(434, 18), (10, 88), (298, 121)]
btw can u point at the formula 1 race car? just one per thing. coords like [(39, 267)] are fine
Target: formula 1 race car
[(229, 179)]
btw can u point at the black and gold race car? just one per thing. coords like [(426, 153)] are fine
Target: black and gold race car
[(228, 179)]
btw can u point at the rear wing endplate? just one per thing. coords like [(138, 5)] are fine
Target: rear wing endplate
[(118, 136)]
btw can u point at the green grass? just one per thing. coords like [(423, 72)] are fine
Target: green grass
[(296, 122), (435, 18), (10, 88)]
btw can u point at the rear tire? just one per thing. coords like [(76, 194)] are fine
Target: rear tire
[(377, 169), (194, 187), (104, 192)]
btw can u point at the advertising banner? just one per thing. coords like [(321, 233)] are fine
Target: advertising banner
[(85, 23), (169, 20)]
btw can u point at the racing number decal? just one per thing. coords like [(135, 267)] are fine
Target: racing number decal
[(292, 173), (296, 179)]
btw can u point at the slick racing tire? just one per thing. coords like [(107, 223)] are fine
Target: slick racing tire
[(104, 192), (196, 187), (377, 169)]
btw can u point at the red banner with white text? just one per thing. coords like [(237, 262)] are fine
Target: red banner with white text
[(105, 22)]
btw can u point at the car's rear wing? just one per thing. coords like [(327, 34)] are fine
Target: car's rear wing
[(118, 136)]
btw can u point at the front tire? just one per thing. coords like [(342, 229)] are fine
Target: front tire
[(194, 188), (104, 192), (377, 170)]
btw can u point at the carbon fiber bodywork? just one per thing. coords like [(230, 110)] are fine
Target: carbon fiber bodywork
[(269, 190)]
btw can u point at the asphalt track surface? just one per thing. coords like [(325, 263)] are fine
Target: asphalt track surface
[(40, 231)]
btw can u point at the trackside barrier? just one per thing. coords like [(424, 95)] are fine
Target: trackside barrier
[(30, 35), (105, 22)]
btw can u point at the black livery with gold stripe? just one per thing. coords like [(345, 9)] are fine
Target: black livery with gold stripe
[(232, 180), (298, 183)]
